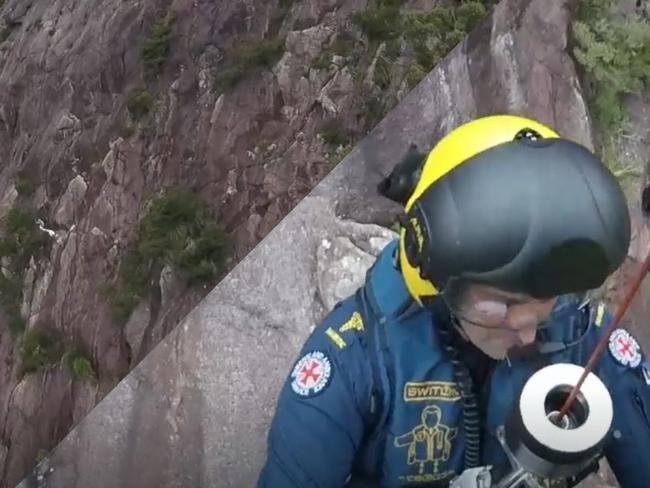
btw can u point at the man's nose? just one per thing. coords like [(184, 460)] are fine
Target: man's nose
[(523, 326), (526, 336)]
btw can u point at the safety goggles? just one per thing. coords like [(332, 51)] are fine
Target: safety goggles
[(494, 313)]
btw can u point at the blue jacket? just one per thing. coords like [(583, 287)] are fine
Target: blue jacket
[(373, 379)]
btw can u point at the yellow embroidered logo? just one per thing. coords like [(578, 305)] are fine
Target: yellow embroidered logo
[(428, 478), (355, 322), (430, 390), (600, 314), (336, 339), (418, 232), (428, 443)]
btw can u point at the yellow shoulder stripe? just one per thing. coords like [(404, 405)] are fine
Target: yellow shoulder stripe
[(600, 313), (336, 338)]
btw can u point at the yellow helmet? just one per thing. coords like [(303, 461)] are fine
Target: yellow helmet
[(504, 200)]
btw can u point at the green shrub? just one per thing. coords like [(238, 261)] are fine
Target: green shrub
[(415, 74), (435, 33), (393, 50), (432, 34), (23, 240), (11, 297), (343, 44), (383, 71), (248, 57), (333, 132), (24, 185), (372, 110), (139, 103), (79, 365), (21, 225), (135, 271), (615, 53), (16, 323), (591, 10), (420, 27), (123, 303), (338, 155), (38, 351), (201, 260), (488, 4), (20, 222), (468, 14), (178, 230), (173, 212), (380, 23), (284, 6), (155, 49)]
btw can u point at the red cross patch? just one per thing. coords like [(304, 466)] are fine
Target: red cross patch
[(624, 348), (311, 374)]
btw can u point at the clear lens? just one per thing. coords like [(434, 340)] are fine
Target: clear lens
[(493, 314)]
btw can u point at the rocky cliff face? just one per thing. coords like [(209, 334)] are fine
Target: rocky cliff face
[(106, 104), (247, 104)]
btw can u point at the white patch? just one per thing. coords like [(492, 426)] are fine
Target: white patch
[(41, 226), (646, 372), (311, 374), (624, 348)]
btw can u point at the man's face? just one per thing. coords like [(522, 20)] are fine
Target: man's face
[(496, 321)]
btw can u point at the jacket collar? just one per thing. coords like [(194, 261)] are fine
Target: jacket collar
[(385, 284)]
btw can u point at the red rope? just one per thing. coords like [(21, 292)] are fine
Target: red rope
[(645, 268)]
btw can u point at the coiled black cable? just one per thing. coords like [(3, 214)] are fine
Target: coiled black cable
[(470, 411)]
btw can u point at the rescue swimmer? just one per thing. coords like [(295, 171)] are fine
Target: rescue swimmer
[(507, 227)]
